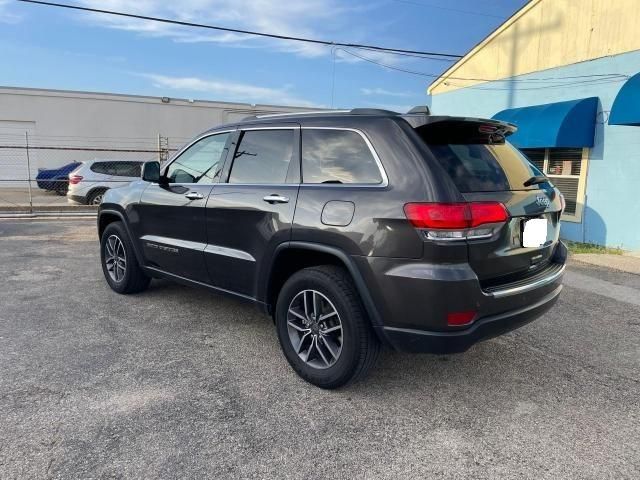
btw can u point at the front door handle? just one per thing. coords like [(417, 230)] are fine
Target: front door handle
[(275, 198), (194, 196)]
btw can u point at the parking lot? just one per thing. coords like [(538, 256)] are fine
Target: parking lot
[(181, 383)]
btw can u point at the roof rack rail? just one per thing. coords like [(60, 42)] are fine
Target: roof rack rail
[(353, 111), (289, 114), (372, 111)]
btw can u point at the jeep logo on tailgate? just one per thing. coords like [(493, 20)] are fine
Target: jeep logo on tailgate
[(543, 201)]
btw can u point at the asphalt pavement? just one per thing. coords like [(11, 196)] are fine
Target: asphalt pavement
[(182, 383)]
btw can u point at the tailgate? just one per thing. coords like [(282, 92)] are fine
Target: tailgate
[(485, 168)]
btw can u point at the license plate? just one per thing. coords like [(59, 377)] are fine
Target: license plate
[(535, 232)]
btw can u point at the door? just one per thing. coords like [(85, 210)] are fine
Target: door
[(250, 213), (172, 229)]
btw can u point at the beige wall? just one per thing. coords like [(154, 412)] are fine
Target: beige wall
[(546, 34)]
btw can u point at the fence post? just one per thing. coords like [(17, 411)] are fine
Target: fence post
[(26, 136), (163, 149)]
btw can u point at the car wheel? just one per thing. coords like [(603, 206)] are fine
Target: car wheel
[(323, 329), (62, 189), (95, 197), (119, 263)]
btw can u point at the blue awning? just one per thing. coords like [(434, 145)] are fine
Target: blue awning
[(626, 106), (561, 124)]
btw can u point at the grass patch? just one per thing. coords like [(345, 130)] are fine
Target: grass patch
[(578, 247)]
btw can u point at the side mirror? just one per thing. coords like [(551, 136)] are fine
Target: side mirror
[(151, 172)]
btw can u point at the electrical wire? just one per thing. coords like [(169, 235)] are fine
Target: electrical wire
[(426, 5), (594, 77), (235, 30), (422, 57)]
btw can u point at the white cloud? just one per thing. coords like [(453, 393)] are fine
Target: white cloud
[(230, 91), (6, 16), (308, 18), (385, 93)]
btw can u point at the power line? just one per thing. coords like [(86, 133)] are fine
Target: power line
[(593, 77), (235, 30), (428, 5), (422, 57)]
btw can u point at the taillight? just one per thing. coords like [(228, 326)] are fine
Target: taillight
[(75, 179), (456, 221), (456, 319)]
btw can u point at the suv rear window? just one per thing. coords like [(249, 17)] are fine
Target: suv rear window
[(126, 169), (118, 169), (100, 167), (476, 166)]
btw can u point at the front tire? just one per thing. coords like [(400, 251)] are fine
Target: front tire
[(323, 329), (119, 263)]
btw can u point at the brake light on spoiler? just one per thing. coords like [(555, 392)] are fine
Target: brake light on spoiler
[(457, 221)]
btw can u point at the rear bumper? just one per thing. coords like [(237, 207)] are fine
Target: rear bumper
[(423, 341), (413, 300), (77, 199)]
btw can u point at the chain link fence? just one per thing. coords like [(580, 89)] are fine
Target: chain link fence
[(40, 174)]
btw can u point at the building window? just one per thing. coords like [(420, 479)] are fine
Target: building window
[(567, 169)]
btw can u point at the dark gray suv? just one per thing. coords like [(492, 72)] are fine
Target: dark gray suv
[(352, 229)]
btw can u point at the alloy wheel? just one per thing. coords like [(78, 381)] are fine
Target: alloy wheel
[(315, 329), (115, 258)]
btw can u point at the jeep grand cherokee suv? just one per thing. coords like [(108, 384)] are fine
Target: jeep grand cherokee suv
[(351, 229)]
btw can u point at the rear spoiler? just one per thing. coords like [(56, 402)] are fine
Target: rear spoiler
[(444, 129)]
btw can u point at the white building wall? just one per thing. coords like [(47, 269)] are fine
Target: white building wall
[(83, 119)]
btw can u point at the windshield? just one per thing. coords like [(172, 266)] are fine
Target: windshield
[(485, 168)]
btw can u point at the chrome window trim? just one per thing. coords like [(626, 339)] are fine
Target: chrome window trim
[(284, 127), (383, 173), (187, 147)]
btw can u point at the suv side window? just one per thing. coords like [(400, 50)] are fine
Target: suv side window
[(262, 156), (201, 162), (100, 167), (126, 169), (337, 156)]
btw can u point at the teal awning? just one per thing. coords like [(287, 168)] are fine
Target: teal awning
[(563, 124), (626, 106)]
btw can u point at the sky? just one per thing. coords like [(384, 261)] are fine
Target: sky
[(46, 47)]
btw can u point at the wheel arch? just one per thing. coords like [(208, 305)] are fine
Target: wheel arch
[(108, 216), (93, 191), (291, 257)]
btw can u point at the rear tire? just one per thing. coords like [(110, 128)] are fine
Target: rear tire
[(340, 349), (95, 197), (119, 263)]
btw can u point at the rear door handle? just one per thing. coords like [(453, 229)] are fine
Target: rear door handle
[(194, 196), (275, 198)]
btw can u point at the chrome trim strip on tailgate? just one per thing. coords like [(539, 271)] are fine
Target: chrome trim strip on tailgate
[(499, 293)]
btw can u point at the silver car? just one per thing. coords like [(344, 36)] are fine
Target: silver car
[(89, 182)]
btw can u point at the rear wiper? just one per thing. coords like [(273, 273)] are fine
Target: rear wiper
[(536, 180)]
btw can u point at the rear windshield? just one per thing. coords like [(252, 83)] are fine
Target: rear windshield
[(476, 156)]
